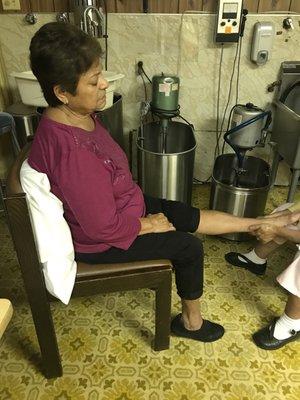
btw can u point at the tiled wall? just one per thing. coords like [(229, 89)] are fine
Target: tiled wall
[(180, 45)]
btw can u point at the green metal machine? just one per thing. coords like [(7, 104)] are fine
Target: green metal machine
[(165, 148), (165, 93)]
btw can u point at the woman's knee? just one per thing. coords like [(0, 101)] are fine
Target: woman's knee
[(191, 247), (176, 245), (195, 246)]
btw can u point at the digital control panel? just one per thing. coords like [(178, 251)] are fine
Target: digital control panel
[(228, 21)]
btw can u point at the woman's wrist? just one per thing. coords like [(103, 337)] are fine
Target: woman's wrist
[(146, 226)]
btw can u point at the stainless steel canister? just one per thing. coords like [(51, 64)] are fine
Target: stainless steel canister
[(246, 200), (166, 175)]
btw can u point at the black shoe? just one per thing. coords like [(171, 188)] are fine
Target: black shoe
[(233, 259), (264, 338), (209, 331)]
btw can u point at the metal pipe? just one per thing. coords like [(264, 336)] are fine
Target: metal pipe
[(94, 24)]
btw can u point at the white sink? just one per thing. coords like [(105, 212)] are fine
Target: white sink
[(31, 93)]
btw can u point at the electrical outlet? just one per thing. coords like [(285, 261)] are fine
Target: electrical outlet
[(11, 5), (139, 67)]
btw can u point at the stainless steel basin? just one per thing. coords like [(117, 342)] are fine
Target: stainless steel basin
[(286, 132)]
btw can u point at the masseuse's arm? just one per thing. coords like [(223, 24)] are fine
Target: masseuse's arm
[(268, 232)]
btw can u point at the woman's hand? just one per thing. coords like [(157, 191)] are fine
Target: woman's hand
[(155, 223), (160, 223), (266, 232), (281, 219), (276, 214)]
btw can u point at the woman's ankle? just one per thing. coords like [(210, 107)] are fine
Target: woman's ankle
[(192, 322)]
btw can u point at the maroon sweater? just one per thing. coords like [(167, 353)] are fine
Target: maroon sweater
[(89, 173)]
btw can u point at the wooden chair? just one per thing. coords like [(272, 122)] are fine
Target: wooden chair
[(90, 279)]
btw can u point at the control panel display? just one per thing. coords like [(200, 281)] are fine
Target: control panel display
[(230, 10), (228, 21)]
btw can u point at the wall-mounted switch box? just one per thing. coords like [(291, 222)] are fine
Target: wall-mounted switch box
[(228, 21), (11, 5)]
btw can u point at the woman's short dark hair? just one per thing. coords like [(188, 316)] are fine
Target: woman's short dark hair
[(59, 53)]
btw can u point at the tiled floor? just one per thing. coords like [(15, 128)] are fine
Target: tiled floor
[(105, 340)]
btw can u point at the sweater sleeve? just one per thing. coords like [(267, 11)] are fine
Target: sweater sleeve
[(87, 186)]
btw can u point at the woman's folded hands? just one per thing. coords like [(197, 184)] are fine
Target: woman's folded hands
[(155, 223)]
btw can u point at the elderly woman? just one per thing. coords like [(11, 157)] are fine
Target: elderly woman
[(109, 217)]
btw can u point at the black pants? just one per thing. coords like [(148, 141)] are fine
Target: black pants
[(183, 249)]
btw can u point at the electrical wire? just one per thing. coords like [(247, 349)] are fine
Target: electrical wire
[(105, 33), (178, 73), (143, 71), (217, 148), (145, 87), (218, 101), (229, 91), (180, 116), (238, 71), (197, 181), (238, 54), (237, 90), (228, 123)]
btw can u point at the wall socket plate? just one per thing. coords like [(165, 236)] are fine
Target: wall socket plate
[(11, 5)]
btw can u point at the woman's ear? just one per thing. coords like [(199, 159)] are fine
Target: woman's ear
[(61, 94)]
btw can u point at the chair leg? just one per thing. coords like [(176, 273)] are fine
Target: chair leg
[(163, 312), (45, 332)]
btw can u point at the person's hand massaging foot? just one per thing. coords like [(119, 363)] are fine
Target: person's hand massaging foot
[(271, 228), (267, 230)]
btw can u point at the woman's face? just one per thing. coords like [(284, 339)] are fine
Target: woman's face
[(90, 93)]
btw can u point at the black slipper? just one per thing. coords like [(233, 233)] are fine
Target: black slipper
[(264, 338), (233, 259), (209, 331)]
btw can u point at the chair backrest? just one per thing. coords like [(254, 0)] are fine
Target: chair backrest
[(20, 225), (7, 125), (13, 184)]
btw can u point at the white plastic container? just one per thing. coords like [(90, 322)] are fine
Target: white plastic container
[(29, 88), (31, 93), (112, 78)]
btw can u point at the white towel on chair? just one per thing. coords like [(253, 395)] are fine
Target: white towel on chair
[(52, 233)]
